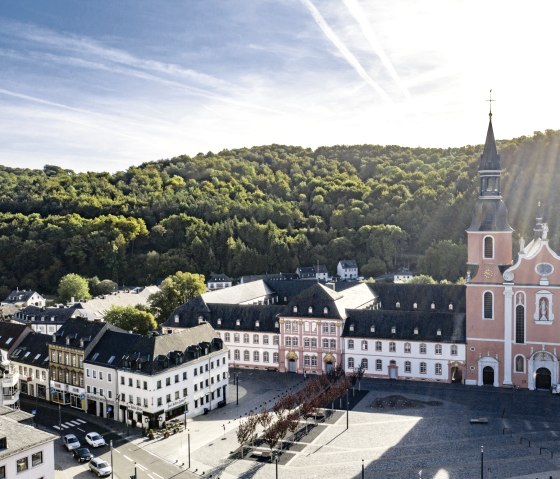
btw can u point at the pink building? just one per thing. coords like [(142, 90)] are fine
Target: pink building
[(513, 333)]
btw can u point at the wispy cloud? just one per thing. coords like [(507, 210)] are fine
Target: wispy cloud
[(343, 49), (359, 15)]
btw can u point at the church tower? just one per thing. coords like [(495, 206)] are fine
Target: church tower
[(489, 246)]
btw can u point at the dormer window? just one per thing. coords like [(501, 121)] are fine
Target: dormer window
[(257, 323), (219, 321), (438, 332), (450, 306), (67, 341), (415, 330), (54, 338), (176, 318), (397, 305), (237, 322), (310, 310), (393, 329), (372, 329), (433, 306), (415, 306), (294, 309), (351, 327), (276, 325), (200, 319), (325, 310)]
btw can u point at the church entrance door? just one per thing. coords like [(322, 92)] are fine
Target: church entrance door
[(543, 379), (488, 376), (292, 366), (457, 375), (329, 367)]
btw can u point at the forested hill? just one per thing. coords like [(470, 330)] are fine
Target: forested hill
[(263, 209)]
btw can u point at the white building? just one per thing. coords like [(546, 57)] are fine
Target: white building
[(347, 269), (24, 297), (156, 378), (11, 335), (219, 281), (25, 452)]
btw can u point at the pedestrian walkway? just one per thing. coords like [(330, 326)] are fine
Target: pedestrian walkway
[(70, 424)]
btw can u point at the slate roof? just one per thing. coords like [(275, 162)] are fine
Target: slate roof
[(152, 354), (240, 293), (442, 295), (266, 277), (225, 316), (10, 334), (287, 289), (113, 344), (19, 436), (319, 297), (348, 263), (34, 314), (451, 325), (33, 350), (77, 329), (19, 295), (219, 278)]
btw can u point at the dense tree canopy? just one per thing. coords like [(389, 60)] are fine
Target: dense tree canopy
[(263, 209), (73, 287), (132, 319)]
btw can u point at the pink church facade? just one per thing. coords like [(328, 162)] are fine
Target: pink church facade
[(513, 315)]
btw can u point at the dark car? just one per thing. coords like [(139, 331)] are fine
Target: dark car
[(82, 454)]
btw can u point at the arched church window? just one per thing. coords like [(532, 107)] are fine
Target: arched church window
[(519, 364), (520, 324), (488, 247), (488, 305)]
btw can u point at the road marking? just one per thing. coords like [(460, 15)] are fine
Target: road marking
[(127, 458), (80, 429), (81, 421), (117, 451), (141, 467), (57, 428), (155, 474), (74, 423), (64, 426)]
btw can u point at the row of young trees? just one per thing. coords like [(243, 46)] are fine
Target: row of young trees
[(273, 426)]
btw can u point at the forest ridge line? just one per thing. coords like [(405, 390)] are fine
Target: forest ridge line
[(264, 209)]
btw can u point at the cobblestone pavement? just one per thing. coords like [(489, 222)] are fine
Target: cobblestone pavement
[(521, 438)]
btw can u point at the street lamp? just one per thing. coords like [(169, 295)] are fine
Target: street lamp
[(237, 388), (111, 447), (347, 408), (189, 447), (481, 462)]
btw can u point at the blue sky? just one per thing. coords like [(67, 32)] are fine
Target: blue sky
[(103, 85)]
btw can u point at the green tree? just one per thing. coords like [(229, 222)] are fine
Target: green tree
[(131, 318), (422, 279), (444, 260), (73, 286), (175, 290)]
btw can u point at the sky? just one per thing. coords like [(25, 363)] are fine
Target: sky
[(107, 84)]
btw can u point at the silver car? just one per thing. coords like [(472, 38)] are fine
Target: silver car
[(71, 442), (100, 467)]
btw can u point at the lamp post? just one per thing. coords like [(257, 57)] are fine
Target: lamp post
[(189, 447), (111, 447), (481, 462), (276, 468), (185, 416), (347, 413), (237, 388), (363, 470)]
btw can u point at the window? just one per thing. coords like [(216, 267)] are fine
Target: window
[(294, 341), (256, 357), (226, 337), (407, 366), (130, 382), (236, 355), (325, 343), (488, 305), (265, 339), (364, 345), (306, 360), (246, 338), (159, 401), (185, 374), (22, 464), (350, 363), (255, 338), (333, 343), (454, 350), (438, 369), (100, 375), (288, 340), (423, 368), (350, 344), (168, 398), (422, 348), (520, 324), (275, 340), (488, 247), (333, 328), (392, 347), (313, 361), (159, 384), (87, 372), (519, 364), (235, 337), (246, 356), (266, 357), (168, 381), (438, 348), (407, 348), (109, 377), (378, 346), (122, 380), (2, 472), (378, 365), (288, 327), (274, 357), (313, 342), (176, 379), (294, 309), (306, 342)]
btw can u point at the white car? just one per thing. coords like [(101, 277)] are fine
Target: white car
[(71, 442), (95, 439), (100, 467)]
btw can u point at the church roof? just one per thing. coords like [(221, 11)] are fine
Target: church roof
[(490, 160)]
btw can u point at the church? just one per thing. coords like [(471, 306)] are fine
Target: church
[(513, 333)]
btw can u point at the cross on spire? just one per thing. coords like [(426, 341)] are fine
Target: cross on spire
[(490, 101)]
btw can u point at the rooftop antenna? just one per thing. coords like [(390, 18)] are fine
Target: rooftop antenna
[(490, 101)]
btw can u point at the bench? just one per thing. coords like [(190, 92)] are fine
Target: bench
[(479, 420)]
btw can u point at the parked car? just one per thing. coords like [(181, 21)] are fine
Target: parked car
[(95, 439), (100, 467), (71, 442), (82, 454)]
